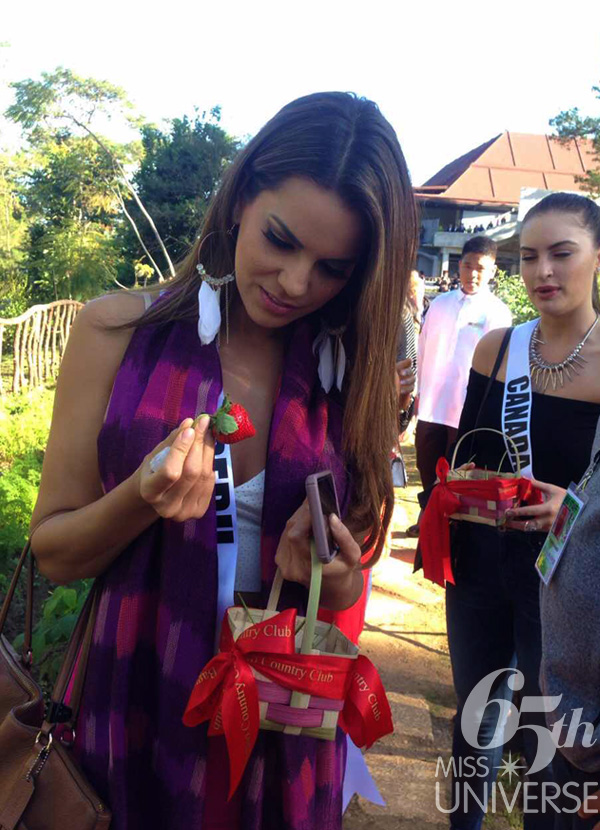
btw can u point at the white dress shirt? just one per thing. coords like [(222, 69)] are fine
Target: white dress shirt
[(454, 325)]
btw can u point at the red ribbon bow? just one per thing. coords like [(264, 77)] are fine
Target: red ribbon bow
[(434, 535), (226, 693)]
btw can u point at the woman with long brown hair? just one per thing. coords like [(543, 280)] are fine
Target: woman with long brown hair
[(304, 255)]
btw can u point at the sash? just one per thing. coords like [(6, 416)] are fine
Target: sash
[(516, 406), (227, 532)]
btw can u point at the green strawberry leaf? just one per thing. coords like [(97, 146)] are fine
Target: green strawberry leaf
[(225, 424)]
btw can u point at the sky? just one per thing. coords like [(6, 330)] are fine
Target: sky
[(448, 75)]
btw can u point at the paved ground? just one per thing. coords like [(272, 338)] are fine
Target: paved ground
[(405, 636)]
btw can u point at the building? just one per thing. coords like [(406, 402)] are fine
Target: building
[(481, 191)]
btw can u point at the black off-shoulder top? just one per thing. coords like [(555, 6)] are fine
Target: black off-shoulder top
[(562, 432)]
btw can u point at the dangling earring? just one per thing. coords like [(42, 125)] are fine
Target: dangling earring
[(209, 305), (332, 357)]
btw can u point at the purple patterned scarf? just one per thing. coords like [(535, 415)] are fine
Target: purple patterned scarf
[(156, 623)]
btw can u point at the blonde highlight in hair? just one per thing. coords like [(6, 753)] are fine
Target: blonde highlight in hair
[(344, 144)]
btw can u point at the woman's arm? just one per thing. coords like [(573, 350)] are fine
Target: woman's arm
[(93, 527), (406, 369)]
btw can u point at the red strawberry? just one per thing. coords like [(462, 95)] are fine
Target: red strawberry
[(230, 423), (245, 427)]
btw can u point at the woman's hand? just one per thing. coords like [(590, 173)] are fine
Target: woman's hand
[(342, 578), (405, 383), (590, 808), (470, 465), (538, 517), (177, 478)]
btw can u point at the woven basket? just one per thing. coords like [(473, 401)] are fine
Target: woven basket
[(282, 710), (482, 510)]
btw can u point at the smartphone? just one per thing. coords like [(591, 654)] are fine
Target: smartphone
[(322, 501)]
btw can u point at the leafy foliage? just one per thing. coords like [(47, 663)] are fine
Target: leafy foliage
[(69, 195), (72, 189), (18, 491), (511, 290), (24, 427), (571, 124), (52, 632), (62, 97), (179, 172), (14, 224), (80, 213), (76, 261), (24, 424)]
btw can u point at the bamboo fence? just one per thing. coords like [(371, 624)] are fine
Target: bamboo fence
[(40, 337)]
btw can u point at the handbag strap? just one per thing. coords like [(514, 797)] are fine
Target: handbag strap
[(74, 664), (314, 596), (78, 648), (491, 379), (26, 655), (25, 554), (495, 370)]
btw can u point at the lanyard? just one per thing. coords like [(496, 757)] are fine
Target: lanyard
[(590, 472)]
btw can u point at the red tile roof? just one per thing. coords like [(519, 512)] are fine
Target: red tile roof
[(495, 172)]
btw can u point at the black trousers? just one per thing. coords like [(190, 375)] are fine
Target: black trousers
[(431, 442), (493, 622)]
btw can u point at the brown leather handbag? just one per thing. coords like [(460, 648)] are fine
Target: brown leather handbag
[(41, 785)]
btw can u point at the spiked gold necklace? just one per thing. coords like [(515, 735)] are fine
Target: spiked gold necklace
[(544, 374)]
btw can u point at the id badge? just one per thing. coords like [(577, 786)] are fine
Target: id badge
[(556, 541)]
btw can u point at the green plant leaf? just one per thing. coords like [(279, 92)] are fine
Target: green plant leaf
[(225, 424), (38, 645)]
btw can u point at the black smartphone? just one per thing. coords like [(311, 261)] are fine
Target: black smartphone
[(322, 501)]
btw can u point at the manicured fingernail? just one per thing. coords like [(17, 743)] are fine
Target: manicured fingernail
[(509, 514), (188, 435), (334, 520), (159, 459), (202, 424), (406, 372)]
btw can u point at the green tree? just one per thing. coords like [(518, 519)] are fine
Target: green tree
[(179, 172), (571, 124), (69, 195), (511, 290), (65, 103), (14, 226)]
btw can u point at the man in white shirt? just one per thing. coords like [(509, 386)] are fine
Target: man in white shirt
[(454, 324)]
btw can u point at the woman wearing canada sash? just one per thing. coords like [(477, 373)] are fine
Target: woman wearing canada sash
[(546, 396)]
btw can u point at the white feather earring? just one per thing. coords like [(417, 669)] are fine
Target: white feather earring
[(332, 357), (209, 305)]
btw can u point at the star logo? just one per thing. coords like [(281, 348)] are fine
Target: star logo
[(510, 767)]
